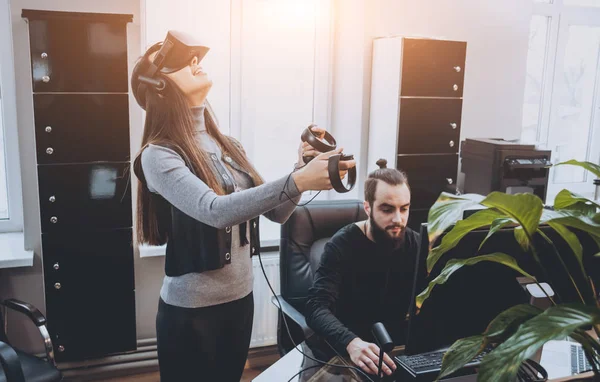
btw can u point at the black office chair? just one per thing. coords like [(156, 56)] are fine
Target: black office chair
[(303, 239), (18, 366)]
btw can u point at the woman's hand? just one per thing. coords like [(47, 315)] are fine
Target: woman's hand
[(306, 150), (315, 175)]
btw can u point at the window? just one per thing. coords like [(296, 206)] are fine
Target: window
[(285, 72), (11, 204), (562, 92)]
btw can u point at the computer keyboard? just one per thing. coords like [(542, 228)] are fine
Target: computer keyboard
[(427, 366), (579, 362)]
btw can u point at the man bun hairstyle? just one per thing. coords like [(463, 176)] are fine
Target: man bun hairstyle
[(391, 176)]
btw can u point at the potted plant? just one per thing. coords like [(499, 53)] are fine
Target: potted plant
[(519, 332)]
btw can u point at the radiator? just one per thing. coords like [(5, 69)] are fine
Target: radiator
[(264, 329)]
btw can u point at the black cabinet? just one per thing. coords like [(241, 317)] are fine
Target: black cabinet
[(74, 52), (429, 125), (428, 176), (73, 128), (432, 68), (416, 109), (84, 196), (81, 112)]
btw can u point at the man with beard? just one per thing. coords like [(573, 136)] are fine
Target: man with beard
[(366, 274)]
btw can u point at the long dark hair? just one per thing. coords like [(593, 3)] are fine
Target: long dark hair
[(169, 122)]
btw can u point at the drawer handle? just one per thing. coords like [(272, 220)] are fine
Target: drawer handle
[(49, 151), (449, 180), (46, 79), (52, 199), (57, 286), (457, 69), (61, 348), (56, 266), (48, 129), (44, 55), (451, 143), (453, 125), (455, 87), (53, 220)]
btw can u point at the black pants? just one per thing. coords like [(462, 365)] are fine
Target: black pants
[(204, 344)]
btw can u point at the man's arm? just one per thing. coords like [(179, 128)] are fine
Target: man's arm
[(322, 299), (320, 315)]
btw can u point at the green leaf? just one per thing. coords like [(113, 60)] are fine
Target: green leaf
[(501, 365), (592, 167), (571, 240), (479, 219), (507, 322), (571, 201), (456, 264), (496, 226), (574, 220), (459, 354), (522, 238), (524, 208), (446, 211)]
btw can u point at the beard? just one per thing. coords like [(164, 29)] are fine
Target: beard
[(383, 237)]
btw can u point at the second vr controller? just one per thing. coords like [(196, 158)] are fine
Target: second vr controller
[(328, 143)]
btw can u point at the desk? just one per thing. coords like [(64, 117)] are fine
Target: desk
[(286, 369)]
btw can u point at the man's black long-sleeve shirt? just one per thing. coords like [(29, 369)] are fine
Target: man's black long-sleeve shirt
[(359, 283)]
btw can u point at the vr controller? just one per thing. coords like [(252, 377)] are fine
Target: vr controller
[(328, 143)]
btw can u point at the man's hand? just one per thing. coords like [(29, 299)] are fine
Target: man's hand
[(366, 356)]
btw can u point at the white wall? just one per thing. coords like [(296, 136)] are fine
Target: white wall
[(209, 21), (496, 32)]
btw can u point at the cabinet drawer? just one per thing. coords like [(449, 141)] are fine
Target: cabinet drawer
[(429, 126), (94, 325), (433, 68), (90, 297), (88, 262), (81, 197), (428, 176), (78, 56), (75, 128)]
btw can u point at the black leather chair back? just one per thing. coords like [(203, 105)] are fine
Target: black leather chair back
[(303, 239)]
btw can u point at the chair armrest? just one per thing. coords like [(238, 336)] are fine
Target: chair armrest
[(27, 309), (38, 319), (294, 314), (11, 364)]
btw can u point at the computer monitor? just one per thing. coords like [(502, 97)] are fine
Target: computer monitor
[(475, 295)]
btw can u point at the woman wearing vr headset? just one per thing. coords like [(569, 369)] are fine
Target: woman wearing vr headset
[(199, 194)]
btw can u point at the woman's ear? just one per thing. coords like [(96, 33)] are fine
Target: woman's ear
[(194, 61)]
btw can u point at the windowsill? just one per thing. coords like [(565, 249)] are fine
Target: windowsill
[(159, 250), (12, 251)]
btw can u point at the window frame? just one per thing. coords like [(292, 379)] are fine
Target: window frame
[(14, 223), (558, 13)]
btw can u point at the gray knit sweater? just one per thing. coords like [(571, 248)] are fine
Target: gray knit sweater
[(166, 174)]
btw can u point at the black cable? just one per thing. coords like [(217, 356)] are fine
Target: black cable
[(323, 363), (285, 186), (302, 371)]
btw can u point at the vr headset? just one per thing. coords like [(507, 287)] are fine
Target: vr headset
[(175, 53)]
